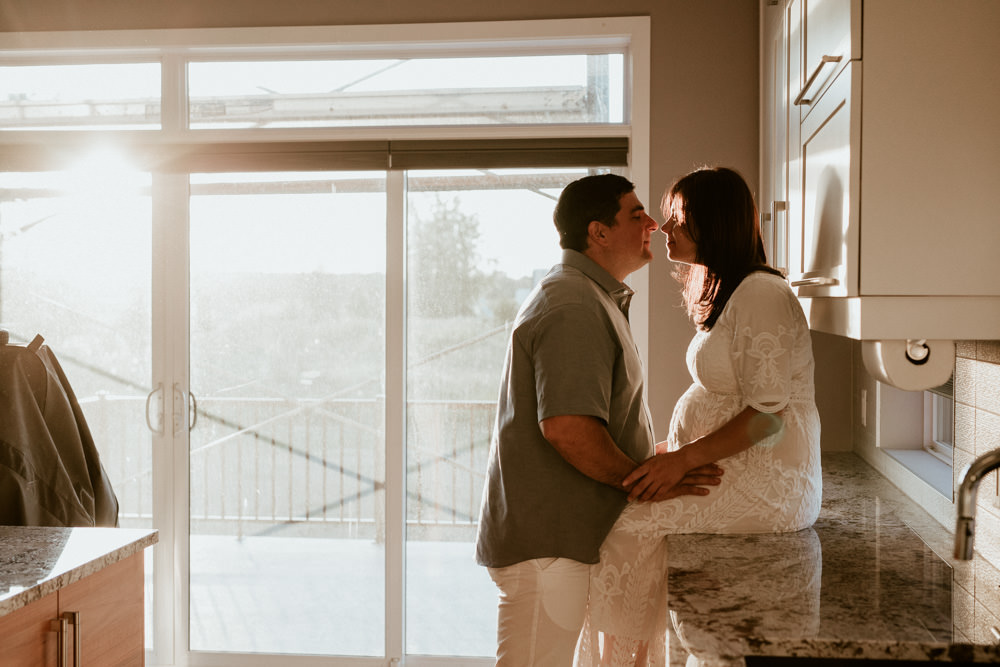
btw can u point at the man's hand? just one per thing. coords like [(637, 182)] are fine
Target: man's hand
[(666, 475)]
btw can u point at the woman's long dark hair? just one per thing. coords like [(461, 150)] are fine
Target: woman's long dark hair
[(721, 218)]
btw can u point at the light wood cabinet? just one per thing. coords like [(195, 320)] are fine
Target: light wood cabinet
[(28, 636), (880, 163), (107, 630)]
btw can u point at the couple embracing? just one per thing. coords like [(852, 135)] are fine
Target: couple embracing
[(579, 497)]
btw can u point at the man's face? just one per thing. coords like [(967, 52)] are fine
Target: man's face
[(629, 238)]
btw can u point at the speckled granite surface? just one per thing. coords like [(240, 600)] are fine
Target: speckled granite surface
[(873, 579), (36, 561)]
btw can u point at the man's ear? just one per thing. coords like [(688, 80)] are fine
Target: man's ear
[(597, 232)]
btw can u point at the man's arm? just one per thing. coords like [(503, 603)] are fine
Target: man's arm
[(585, 443)]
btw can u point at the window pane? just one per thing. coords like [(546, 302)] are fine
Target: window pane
[(75, 268), (75, 97), (408, 91), (477, 243), (943, 409), (287, 364)]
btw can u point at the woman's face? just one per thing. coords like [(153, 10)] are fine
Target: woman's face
[(680, 246)]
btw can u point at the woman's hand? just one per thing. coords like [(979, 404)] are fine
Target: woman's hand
[(668, 475)]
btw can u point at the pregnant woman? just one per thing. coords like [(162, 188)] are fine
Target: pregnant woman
[(750, 408)]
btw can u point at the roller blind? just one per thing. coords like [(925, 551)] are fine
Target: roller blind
[(330, 155)]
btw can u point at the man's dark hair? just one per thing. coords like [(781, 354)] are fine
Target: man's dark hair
[(584, 200)]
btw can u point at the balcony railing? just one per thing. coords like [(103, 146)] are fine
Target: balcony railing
[(305, 467)]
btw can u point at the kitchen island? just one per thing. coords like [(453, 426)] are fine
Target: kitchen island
[(873, 579), (72, 591)]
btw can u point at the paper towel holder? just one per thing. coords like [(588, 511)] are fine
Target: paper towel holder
[(912, 364), (917, 351)]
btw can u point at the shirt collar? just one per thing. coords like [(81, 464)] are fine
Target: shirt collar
[(617, 290)]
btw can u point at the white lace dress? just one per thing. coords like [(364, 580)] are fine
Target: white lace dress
[(759, 353)]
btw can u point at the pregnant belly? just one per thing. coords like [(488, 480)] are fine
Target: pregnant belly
[(699, 412)]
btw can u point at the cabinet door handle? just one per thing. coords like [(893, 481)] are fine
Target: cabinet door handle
[(824, 61), (819, 280), (780, 236), (62, 646), (73, 618)]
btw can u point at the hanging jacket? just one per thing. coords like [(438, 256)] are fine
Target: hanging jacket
[(50, 470)]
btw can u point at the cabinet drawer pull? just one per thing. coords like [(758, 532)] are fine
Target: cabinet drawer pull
[(73, 618), (780, 236), (825, 60), (819, 280), (62, 647)]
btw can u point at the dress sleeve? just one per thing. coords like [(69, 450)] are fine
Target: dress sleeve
[(764, 326)]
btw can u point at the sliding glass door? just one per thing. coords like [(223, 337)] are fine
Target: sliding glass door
[(317, 310), (289, 301), (287, 285), (477, 241)]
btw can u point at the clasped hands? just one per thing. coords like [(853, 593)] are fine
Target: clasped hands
[(668, 475)]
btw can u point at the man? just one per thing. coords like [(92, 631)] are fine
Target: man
[(571, 425)]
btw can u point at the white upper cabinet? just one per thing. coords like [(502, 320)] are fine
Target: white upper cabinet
[(880, 163), (830, 38)]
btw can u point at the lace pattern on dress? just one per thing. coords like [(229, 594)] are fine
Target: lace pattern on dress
[(759, 353)]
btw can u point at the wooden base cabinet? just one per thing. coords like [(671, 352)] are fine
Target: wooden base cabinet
[(97, 621)]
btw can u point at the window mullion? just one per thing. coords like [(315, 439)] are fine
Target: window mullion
[(395, 414), (173, 94)]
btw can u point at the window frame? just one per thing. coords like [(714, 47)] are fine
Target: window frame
[(155, 148)]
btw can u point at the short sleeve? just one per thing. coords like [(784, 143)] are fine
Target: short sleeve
[(763, 319), (574, 358)]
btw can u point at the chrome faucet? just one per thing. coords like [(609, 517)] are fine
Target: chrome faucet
[(965, 527)]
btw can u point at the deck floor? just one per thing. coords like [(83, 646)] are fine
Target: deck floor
[(325, 597)]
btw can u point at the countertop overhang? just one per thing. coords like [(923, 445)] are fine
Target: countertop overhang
[(37, 561)]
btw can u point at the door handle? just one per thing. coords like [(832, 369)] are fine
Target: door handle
[(158, 392), (192, 408), (192, 411), (823, 62)]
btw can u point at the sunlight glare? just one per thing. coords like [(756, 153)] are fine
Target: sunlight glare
[(101, 173)]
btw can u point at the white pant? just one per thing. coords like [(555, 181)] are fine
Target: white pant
[(542, 606)]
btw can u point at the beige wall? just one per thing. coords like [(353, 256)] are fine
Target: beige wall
[(704, 91)]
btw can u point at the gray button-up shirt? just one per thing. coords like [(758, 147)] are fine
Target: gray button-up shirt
[(571, 353)]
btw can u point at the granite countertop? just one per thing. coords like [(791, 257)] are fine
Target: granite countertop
[(872, 579), (36, 561)]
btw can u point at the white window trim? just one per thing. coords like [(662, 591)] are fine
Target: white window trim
[(173, 48)]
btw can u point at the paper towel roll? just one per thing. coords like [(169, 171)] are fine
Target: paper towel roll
[(929, 363)]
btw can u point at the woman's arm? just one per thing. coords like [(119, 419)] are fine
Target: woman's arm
[(586, 444), (741, 432)]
